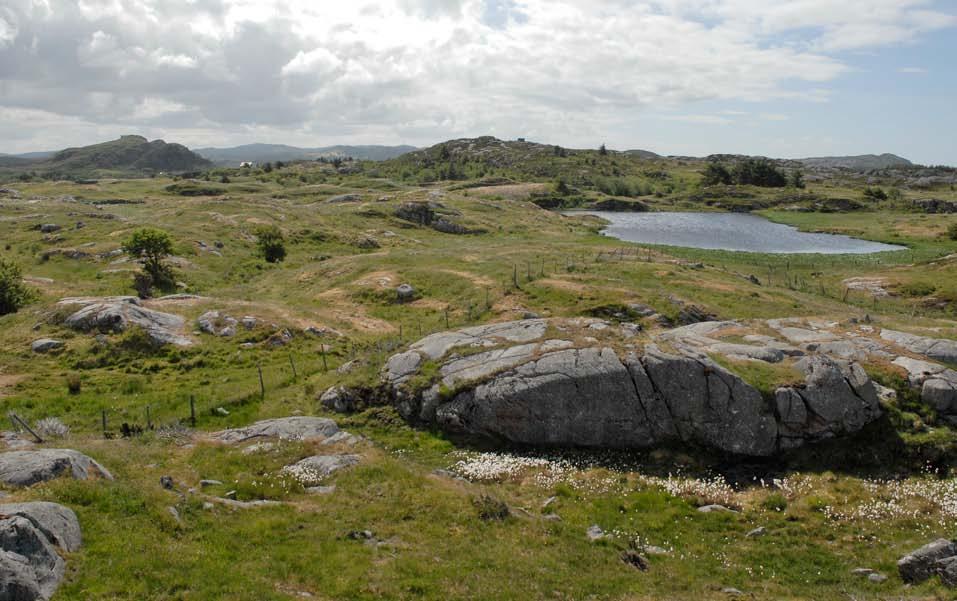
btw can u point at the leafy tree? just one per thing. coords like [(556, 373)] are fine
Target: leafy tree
[(758, 172), (602, 150), (716, 174), (267, 167), (797, 179), (13, 293), (280, 164), (272, 244), (152, 246)]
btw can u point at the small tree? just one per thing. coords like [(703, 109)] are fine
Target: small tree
[(13, 293), (602, 150), (272, 244), (952, 231), (152, 246)]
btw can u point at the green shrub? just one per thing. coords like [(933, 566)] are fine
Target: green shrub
[(952, 231), (271, 243), (13, 293), (489, 508), (775, 502), (73, 384)]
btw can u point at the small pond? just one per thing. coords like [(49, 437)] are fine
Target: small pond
[(728, 231)]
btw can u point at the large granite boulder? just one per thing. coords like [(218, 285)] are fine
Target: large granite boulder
[(25, 468), (119, 313), (283, 428), (31, 535), (553, 383), (917, 566)]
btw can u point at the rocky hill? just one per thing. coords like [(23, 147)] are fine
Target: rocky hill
[(864, 162), (128, 155)]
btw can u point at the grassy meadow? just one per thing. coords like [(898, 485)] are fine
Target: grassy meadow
[(418, 493)]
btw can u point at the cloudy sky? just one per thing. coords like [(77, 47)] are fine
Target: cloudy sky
[(784, 78)]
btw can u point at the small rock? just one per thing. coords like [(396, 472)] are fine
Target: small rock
[(548, 502), (732, 592), (208, 506), (47, 228), (552, 517), (404, 293), (321, 490), (230, 495), (715, 508), (759, 531), (173, 512), (45, 345), (595, 533), (205, 483), (166, 482), (635, 559), (654, 550), (360, 535), (876, 578), (862, 571), (221, 411)]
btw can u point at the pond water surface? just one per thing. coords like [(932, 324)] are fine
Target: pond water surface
[(728, 231)]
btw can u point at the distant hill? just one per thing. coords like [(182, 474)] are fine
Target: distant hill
[(128, 154), (263, 153), (864, 162), (644, 154)]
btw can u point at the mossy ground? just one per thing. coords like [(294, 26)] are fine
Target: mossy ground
[(436, 546)]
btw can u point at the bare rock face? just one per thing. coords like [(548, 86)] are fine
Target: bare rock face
[(119, 313), (31, 567), (26, 468), (552, 383)]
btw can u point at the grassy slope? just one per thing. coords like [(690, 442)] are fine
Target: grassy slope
[(439, 548)]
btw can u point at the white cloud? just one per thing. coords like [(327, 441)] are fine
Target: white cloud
[(424, 70), (912, 70)]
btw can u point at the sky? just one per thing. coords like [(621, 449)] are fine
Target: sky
[(788, 78)]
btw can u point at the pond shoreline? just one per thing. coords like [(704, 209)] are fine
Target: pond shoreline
[(728, 231)]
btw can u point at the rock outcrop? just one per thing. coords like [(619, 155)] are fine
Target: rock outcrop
[(25, 468), (115, 314), (938, 557), (31, 567), (553, 383), (219, 324)]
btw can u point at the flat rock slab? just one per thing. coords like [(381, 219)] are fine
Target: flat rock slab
[(938, 349), (119, 313), (45, 345), (313, 470), (283, 428), (25, 468), (31, 567)]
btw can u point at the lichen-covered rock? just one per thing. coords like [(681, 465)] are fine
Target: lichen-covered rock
[(119, 313), (313, 470), (938, 349), (513, 382), (25, 468), (919, 565), (217, 324), (45, 345), (31, 568), (283, 428)]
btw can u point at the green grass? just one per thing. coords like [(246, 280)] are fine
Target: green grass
[(529, 260)]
